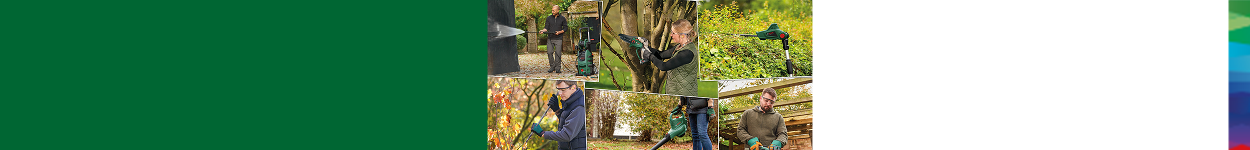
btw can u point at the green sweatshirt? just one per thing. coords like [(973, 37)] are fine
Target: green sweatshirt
[(767, 126)]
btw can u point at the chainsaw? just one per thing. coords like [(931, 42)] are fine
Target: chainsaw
[(639, 44)]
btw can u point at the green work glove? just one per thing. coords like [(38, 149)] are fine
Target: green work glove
[(537, 130), (752, 142), (777, 144)]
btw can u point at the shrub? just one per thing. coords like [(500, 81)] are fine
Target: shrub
[(734, 57)]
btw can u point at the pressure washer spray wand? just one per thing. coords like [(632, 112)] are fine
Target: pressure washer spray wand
[(540, 121), (774, 33)]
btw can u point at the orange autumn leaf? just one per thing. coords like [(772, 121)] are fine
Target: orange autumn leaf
[(504, 120), (498, 143), (490, 134), (516, 127), (497, 97), (507, 103)]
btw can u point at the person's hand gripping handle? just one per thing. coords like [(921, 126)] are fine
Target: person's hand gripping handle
[(645, 51)]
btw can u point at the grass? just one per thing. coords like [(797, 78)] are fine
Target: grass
[(625, 145), (708, 89), (619, 70)]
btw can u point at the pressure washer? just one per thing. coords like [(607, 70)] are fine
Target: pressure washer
[(585, 58)]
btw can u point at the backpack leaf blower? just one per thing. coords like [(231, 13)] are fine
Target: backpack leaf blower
[(677, 127), (774, 33)]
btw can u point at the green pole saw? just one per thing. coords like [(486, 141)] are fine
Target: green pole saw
[(677, 127), (774, 33)]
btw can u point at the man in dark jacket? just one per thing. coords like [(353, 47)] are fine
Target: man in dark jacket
[(697, 111), (761, 127), (555, 34), (570, 107)]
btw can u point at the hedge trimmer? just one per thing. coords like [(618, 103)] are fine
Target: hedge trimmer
[(677, 127), (774, 33)]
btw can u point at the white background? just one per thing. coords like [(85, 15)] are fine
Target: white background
[(998, 74)]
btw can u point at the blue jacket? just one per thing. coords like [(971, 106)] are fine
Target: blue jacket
[(571, 134)]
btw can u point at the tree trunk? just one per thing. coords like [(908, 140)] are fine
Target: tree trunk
[(650, 20), (629, 26), (531, 44)]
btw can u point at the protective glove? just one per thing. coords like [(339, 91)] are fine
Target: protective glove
[(754, 144), (537, 130), (553, 103), (777, 144), (646, 51)]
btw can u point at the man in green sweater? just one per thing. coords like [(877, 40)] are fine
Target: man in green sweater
[(762, 128)]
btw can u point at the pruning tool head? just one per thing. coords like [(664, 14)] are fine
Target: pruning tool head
[(773, 33)]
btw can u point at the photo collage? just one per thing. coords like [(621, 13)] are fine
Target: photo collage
[(661, 74)]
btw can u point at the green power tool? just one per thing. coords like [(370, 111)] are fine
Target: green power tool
[(585, 59), (774, 33), (677, 127), (639, 44)]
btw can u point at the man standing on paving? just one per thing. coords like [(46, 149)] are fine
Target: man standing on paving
[(761, 127), (556, 24), (570, 107)]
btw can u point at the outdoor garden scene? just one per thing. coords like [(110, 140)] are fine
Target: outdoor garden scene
[(621, 67), (621, 120), (730, 48), (513, 104), (578, 39), (793, 102)]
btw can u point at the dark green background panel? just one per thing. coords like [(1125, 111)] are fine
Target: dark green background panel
[(240, 74)]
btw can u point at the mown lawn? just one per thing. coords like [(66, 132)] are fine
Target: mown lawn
[(620, 72), (633, 145)]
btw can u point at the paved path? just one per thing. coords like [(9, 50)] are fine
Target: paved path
[(534, 65)]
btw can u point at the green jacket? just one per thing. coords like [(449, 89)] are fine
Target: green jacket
[(767, 126)]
